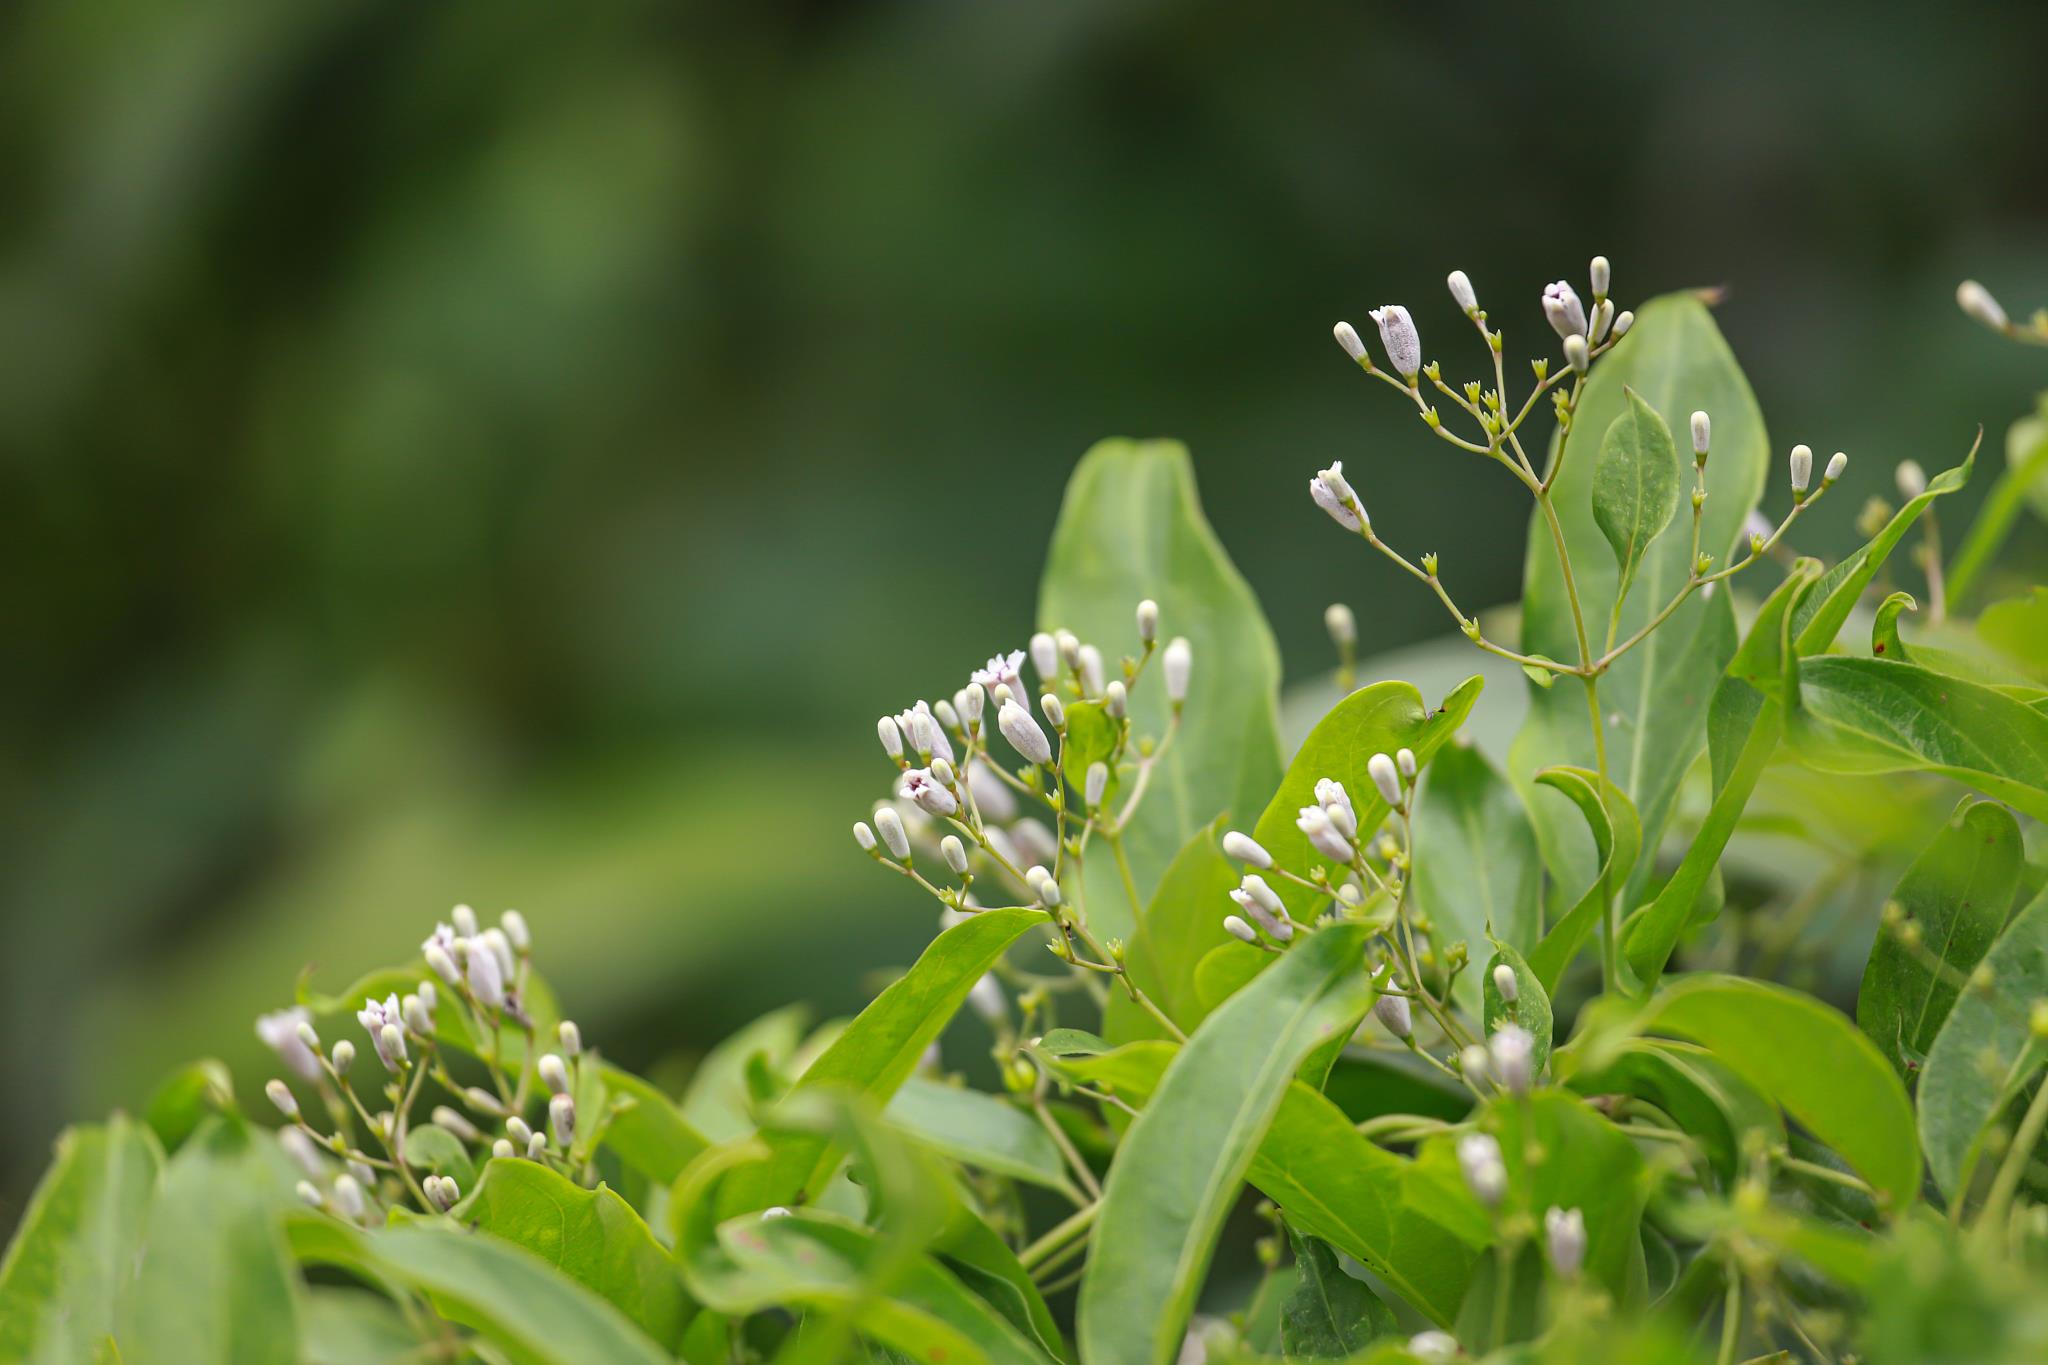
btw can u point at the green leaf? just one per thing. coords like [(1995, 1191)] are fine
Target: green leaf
[(215, 1283), (1072, 1042), (715, 1101), (187, 1098), (592, 1236), (647, 1129), (978, 1130), (1530, 1009), (1957, 892), (2018, 629), (1131, 528), (1092, 737), (430, 1147), (1985, 1050), (879, 1049), (352, 1327), (532, 1311), (1617, 840), (1654, 697), (1412, 1222), (1635, 484), (1329, 1315), (1810, 1061), (1180, 1165), (1477, 872), (74, 1253), (1381, 719), (1182, 923), (1877, 716), (1702, 1096)]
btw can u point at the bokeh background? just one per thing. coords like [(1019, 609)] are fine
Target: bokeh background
[(509, 452)]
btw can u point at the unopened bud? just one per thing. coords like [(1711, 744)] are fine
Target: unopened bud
[(1386, 777), (1601, 275), (1323, 836), (1045, 656), (1504, 983), (1702, 432), (946, 715), (1404, 759), (1976, 301), (443, 965), (1238, 929), (1398, 335), (1511, 1051), (864, 836), (1096, 784), (1622, 322), (1485, 1173), (454, 1122), (482, 1100), (1069, 647), (1837, 462), (1342, 625), (537, 1147), (1802, 469), (414, 1012), (486, 977), (1460, 285), (890, 826), (1176, 665), (1434, 1346), (1148, 621), (1473, 1064), (281, 1095), (954, 852), (1092, 674), (1602, 321), (344, 1055), (519, 1130), (554, 1074), (562, 1120), (348, 1196), (1023, 733), (571, 1038), (972, 698), (465, 921), (444, 1192), (1347, 337), (1564, 1236), (517, 934), (1561, 306), (1116, 699), (1912, 479), (308, 1196), (1246, 849), (1575, 353), (1055, 713), (1392, 1011), (391, 1041), (504, 1149), (1330, 491)]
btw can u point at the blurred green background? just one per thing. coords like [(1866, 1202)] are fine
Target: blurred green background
[(510, 453)]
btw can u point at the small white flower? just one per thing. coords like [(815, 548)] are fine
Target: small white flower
[(1148, 621), (500, 945), (1702, 432), (1386, 777), (1976, 300), (1023, 733), (1485, 1173), (1912, 479), (279, 1031), (1347, 337), (1403, 343), (890, 826), (921, 786), (1176, 664), (1045, 659), (1238, 929), (1277, 926), (1314, 822), (924, 732), (1561, 306), (1336, 804), (1340, 512), (1342, 625), (439, 950), (1461, 291), (1837, 462), (1564, 1235), (281, 1096), (1002, 668), (1511, 1051), (1504, 983), (1802, 468), (1246, 849), (1392, 1011), (380, 1019), (486, 975)]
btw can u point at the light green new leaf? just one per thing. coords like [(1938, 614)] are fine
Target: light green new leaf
[(353, 1327), (74, 1253), (1811, 1062), (1617, 841), (1132, 527), (1705, 1098), (1878, 716), (1381, 719), (647, 1129), (1329, 1315), (1477, 872), (877, 1051), (1654, 698), (978, 1130), (187, 1098), (1635, 484), (592, 1236), (715, 1101), (1530, 1009), (1180, 1165), (1957, 892), (1975, 1064), (432, 1148)]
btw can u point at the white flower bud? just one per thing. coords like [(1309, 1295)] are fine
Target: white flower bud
[(1504, 983), (770, 1214), (391, 1044), (972, 698), (1342, 625), (1837, 462), (922, 786), (954, 852), (1485, 1173), (1433, 1346), (1116, 699), (537, 1146), (1048, 889), (1246, 850), (1069, 647), (1976, 301), (1238, 929), (1603, 319), (570, 1037), (308, 1196), (554, 1073), (864, 836), (1398, 335), (1277, 926), (504, 1149), (1404, 759), (1473, 1064), (1347, 337), (1564, 1236), (500, 946), (1622, 322), (1601, 275), (482, 1100), (280, 1031), (1802, 468), (889, 825), (416, 1017), (1095, 784), (465, 921), (446, 1194), (1092, 674), (1346, 511), (348, 1196), (518, 1130), (443, 964), (1511, 1051), (1561, 306), (1055, 713), (486, 977), (281, 1095), (1392, 1012), (1912, 479), (946, 715), (521, 938), (1461, 291), (992, 797), (344, 1055), (1045, 656), (1034, 842), (985, 997), (1702, 432), (308, 1036), (1179, 660), (1314, 822), (1575, 353), (1023, 733), (1148, 621), (562, 1120), (1255, 886), (454, 1122), (1386, 777)]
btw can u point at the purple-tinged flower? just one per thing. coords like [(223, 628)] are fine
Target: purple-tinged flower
[(279, 1031), (1562, 307), (1403, 342), (1002, 668), (383, 1021), (920, 786)]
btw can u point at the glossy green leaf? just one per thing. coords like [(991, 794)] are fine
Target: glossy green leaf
[(1530, 1009), (1092, 737), (647, 1129), (1984, 1051), (1635, 483), (1477, 872), (1810, 1061), (878, 1051), (715, 1101), (432, 1148), (74, 1252), (187, 1098), (1705, 1098), (592, 1236), (1878, 716), (1072, 1042), (978, 1130), (1132, 527), (1329, 1315), (1180, 1165), (1617, 840), (1654, 698), (1381, 719), (1957, 892), (354, 1327)]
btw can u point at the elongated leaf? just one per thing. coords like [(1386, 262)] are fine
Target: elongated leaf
[(74, 1253), (1811, 1062), (880, 1048), (1635, 483), (1957, 892), (1977, 1058), (592, 1236), (1412, 1222), (1653, 700), (1329, 1315), (1180, 1165), (1878, 716), (1381, 719), (1183, 922), (1617, 840), (1701, 1095), (978, 1130), (1131, 528), (1477, 872)]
